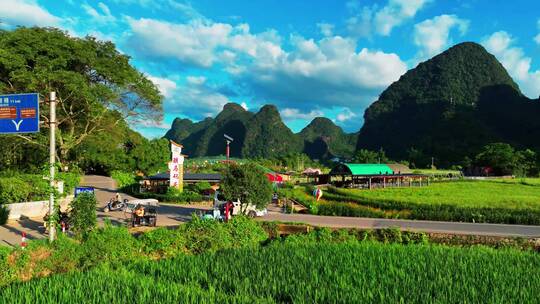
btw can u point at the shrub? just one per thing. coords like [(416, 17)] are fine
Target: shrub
[(201, 187), (206, 235), (83, 214), (111, 245), (173, 195), (246, 232), (14, 190), (163, 242), (70, 179), (123, 179)]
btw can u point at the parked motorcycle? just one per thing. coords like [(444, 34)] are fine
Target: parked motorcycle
[(114, 205), (63, 221)]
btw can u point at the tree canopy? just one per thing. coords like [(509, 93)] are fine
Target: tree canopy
[(97, 88), (248, 183)]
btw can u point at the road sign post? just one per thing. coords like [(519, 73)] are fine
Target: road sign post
[(52, 161)]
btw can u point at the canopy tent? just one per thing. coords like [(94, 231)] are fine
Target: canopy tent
[(361, 169)]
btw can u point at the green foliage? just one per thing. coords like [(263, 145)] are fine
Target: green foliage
[(83, 217), (248, 183), (14, 190), (32, 187), (505, 160), (90, 78), (70, 179), (364, 156), (123, 179), (201, 187), (110, 245), (173, 196), (329, 272)]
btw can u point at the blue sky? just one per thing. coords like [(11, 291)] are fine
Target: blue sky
[(310, 58)]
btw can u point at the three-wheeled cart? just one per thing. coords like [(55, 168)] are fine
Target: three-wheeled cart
[(150, 212)]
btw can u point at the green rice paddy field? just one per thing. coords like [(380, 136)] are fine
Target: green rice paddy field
[(303, 273), (511, 194)]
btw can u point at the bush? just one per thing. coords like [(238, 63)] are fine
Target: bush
[(123, 179), (163, 242), (83, 214), (173, 195), (70, 179), (14, 190), (110, 245)]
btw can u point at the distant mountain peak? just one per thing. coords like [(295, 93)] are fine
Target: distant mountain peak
[(232, 106)]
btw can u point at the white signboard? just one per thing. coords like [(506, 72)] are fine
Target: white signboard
[(175, 164)]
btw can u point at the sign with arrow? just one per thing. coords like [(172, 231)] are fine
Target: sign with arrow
[(19, 113)]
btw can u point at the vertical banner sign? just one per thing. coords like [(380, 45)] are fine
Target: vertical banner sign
[(176, 166), (19, 113)]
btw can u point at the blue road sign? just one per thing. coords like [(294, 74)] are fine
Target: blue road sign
[(80, 190), (19, 113)]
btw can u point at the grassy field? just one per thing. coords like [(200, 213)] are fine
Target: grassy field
[(303, 273), (511, 194), (494, 201)]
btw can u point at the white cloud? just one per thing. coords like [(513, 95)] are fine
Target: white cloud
[(196, 98), (347, 114), (382, 21), (515, 61), (326, 29), (166, 86), (244, 105), (25, 12), (103, 17), (328, 73), (193, 43), (293, 114), (433, 35)]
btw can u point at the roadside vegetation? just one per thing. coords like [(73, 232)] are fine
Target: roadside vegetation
[(202, 261)]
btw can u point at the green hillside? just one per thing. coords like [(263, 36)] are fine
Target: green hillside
[(449, 107)]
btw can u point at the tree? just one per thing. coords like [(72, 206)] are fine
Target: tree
[(95, 85), (364, 156), (500, 156), (248, 183)]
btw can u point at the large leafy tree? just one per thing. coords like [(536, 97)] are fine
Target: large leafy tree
[(504, 159), (248, 183), (96, 86)]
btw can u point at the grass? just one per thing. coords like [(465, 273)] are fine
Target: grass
[(511, 194), (294, 272)]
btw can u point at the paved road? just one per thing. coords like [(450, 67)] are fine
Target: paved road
[(412, 225), (173, 215), (168, 214)]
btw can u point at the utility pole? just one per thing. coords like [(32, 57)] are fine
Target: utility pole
[(52, 160)]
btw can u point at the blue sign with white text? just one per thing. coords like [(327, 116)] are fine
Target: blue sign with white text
[(19, 113), (80, 190)]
